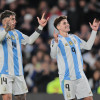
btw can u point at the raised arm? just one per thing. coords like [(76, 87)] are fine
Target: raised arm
[(88, 45), (29, 40), (7, 25)]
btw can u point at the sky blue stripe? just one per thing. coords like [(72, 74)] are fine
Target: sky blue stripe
[(19, 36), (79, 49), (62, 87), (76, 66), (5, 49), (15, 54), (61, 46)]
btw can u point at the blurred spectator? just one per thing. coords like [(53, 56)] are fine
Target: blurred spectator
[(27, 26), (54, 87), (43, 78), (95, 81), (83, 9), (73, 21), (62, 5), (2, 5), (84, 32), (43, 7), (54, 13)]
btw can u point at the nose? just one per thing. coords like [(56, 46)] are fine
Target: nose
[(67, 24), (15, 21)]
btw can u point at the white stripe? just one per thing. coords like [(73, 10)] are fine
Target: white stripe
[(19, 53), (69, 60), (1, 56), (61, 64), (10, 57), (78, 56)]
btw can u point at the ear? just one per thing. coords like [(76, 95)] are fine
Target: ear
[(58, 26), (3, 22)]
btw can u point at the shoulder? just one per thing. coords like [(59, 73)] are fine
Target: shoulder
[(2, 29), (74, 36), (18, 31)]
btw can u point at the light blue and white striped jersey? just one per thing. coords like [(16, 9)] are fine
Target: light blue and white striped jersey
[(10, 51), (68, 54)]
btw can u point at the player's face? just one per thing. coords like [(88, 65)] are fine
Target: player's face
[(12, 22), (64, 26)]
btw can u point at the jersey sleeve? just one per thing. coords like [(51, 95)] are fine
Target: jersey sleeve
[(53, 46), (87, 45), (30, 39)]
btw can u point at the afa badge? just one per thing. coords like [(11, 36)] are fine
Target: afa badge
[(70, 42), (13, 37)]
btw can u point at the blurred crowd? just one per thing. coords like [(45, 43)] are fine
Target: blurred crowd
[(40, 70)]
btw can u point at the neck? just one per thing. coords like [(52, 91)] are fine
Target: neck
[(64, 34)]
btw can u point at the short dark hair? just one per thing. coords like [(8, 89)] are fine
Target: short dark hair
[(5, 14), (58, 20)]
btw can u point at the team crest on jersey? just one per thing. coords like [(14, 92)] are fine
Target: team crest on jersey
[(66, 44), (8, 37), (70, 42), (13, 37)]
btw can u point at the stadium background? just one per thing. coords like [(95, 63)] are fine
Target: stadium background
[(40, 71)]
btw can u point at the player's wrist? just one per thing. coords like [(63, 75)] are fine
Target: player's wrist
[(39, 29), (95, 31)]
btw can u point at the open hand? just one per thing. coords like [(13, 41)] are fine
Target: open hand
[(95, 25), (42, 21)]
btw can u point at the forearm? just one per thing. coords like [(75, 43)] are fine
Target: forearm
[(53, 52), (88, 45), (35, 35)]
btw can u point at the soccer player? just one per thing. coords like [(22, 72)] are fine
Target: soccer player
[(11, 68), (66, 48)]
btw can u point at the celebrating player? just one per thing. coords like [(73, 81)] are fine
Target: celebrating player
[(11, 68), (66, 48)]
